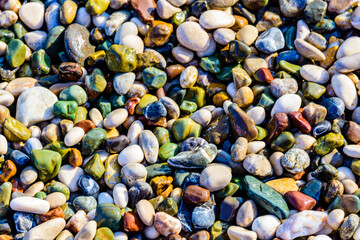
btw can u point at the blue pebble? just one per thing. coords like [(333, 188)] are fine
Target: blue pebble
[(19, 158), (154, 111), (335, 107), (184, 215), (88, 186), (24, 221), (270, 41), (31, 144), (291, 56), (191, 179), (321, 128), (141, 190), (203, 217)]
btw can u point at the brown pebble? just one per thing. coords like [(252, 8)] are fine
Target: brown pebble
[(53, 213), (299, 200), (202, 235), (70, 72), (9, 170), (278, 123), (352, 131), (298, 121), (86, 125), (145, 9), (16, 186), (131, 104), (75, 157), (174, 70), (132, 222), (196, 195)]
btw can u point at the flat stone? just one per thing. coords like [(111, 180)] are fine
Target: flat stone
[(185, 35)]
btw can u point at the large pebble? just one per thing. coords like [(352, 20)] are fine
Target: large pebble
[(286, 104), (74, 136), (313, 73), (131, 154), (70, 175), (47, 230), (191, 35), (213, 19), (348, 48), (120, 195), (265, 226), (123, 82), (345, 89), (352, 151), (239, 233), (30, 205), (270, 41), (115, 118), (32, 14), (215, 177), (149, 145)]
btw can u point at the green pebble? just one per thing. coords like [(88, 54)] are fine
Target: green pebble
[(96, 7), (210, 64), (188, 107), (85, 203), (355, 166), (169, 206), (162, 135), (265, 196), (218, 231), (313, 90), (120, 58), (104, 233), (290, 68), (104, 106), (196, 95), (92, 140), (81, 114), (95, 167), (225, 74), (15, 53), (60, 147), (315, 11), (56, 186), (108, 215), (6, 35), (117, 101), (47, 163), (228, 191), (168, 150), (283, 142), (290, 36), (262, 133), (65, 109), (54, 41), (68, 211), (74, 93), (181, 128), (104, 46), (238, 50), (40, 195), (154, 78), (40, 62), (5, 195), (266, 101), (19, 30), (328, 143), (179, 17), (95, 83), (325, 25), (158, 169), (15, 130), (348, 203)]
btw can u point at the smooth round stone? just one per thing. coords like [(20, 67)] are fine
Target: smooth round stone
[(134, 42), (282, 86), (28, 175), (134, 131), (166, 224), (70, 175), (309, 51), (352, 151), (87, 232), (35, 105), (223, 36), (303, 141), (345, 89), (192, 36), (104, 197), (115, 20), (132, 173), (188, 77), (347, 64), (8, 18), (347, 47), (6, 98), (146, 212), (19, 85), (34, 188), (202, 117), (120, 195), (115, 118), (149, 145), (239, 233), (215, 177), (265, 226), (257, 165), (255, 146), (35, 40), (30, 205), (165, 10), (182, 54), (270, 41), (52, 16), (123, 82), (257, 114), (213, 19), (100, 20), (83, 17), (127, 28), (302, 30), (355, 18), (56, 199), (349, 226), (286, 104), (246, 214), (3, 145), (335, 107), (295, 160), (74, 136), (294, 226), (335, 218), (313, 73), (247, 34), (131, 154), (32, 15), (155, 111), (47, 230), (85, 203)]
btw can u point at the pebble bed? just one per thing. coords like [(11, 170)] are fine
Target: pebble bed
[(179, 119)]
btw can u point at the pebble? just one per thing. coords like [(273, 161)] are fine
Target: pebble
[(248, 34), (308, 51), (74, 136), (123, 82), (47, 230), (30, 205), (214, 19), (182, 54), (28, 175), (270, 41), (146, 212), (265, 226), (192, 36), (69, 176), (238, 233), (287, 103), (352, 151), (257, 165), (56, 199), (223, 36), (314, 73), (246, 214), (32, 15), (215, 177), (166, 10), (166, 224), (87, 232), (257, 114), (339, 83)]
